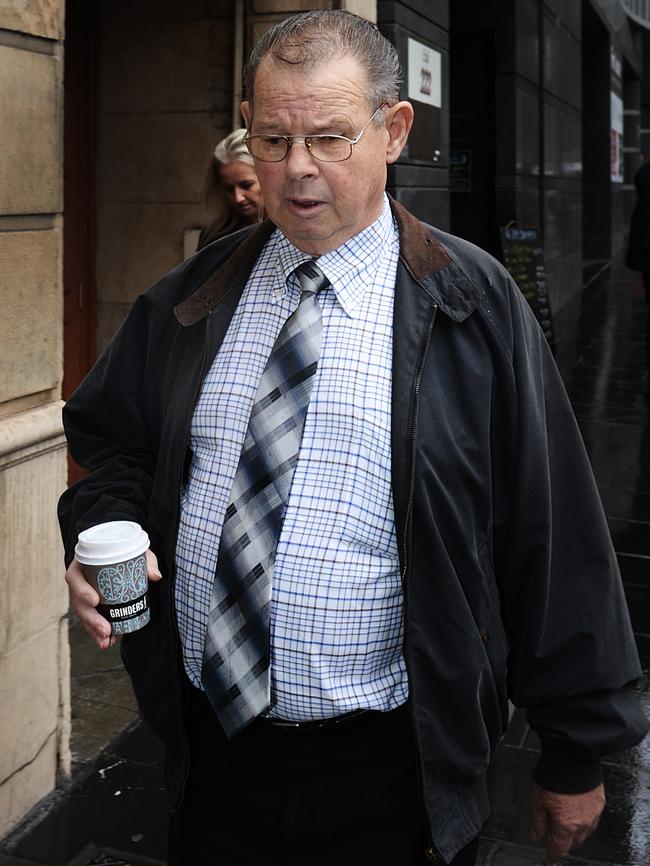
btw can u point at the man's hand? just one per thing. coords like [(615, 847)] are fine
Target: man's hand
[(564, 821), (84, 599)]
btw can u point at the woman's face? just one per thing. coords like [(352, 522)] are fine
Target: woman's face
[(242, 190)]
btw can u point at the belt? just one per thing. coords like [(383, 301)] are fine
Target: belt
[(312, 725)]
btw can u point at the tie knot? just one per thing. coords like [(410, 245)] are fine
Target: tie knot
[(312, 279)]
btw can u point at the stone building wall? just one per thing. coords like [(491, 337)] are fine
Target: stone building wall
[(34, 668), (164, 100)]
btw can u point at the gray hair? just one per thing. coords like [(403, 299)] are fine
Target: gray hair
[(313, 37), (232, 148)]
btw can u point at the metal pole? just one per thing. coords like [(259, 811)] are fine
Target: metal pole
[(237, 64)]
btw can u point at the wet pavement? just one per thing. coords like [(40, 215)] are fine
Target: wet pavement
[(103, 704), (113, 812)]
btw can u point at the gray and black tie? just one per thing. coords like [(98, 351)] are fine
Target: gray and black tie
[(236, 657)]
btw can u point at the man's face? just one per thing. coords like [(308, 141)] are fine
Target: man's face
[(320, 205)]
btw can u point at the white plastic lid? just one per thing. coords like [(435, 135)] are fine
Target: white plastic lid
[(115, 541)]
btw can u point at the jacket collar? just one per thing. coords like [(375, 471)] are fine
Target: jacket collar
[(423, 255), (430, 264), (231, 271)]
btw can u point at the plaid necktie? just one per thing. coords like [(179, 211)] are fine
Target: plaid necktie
[(236, 657)]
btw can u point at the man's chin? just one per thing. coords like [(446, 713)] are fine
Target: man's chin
[(315, 243)]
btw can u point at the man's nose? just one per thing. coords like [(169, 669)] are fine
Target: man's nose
[(300, 162)]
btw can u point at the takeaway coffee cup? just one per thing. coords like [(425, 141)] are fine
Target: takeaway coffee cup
[(113, 558)]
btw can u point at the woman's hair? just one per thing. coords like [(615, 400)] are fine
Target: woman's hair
[(229, 149), (233, 149)]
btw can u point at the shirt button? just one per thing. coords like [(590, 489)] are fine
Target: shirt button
[(485, 637), (432, 855)]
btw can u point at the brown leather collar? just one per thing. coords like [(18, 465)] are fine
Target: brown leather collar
[(235, 269), (421, 253)]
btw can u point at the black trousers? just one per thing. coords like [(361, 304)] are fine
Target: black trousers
[(340, 796)]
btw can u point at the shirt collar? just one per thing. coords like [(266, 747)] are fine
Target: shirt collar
[(350, 268)]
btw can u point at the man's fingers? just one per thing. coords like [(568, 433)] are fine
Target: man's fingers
[(96, 626), (569, 819), (153, 572), (559, 842), (556, 845), (581, 837), (80, 590), (84, 600)]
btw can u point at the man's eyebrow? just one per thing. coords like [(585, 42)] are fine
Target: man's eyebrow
[(330, 124), (334, 125)]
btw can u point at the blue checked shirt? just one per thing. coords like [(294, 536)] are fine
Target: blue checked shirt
[(336, 610)]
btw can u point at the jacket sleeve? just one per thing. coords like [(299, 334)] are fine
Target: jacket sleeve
[(113, 420), (573, 661), (108, 434)]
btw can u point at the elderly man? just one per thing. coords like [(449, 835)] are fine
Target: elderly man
[(374, 518)]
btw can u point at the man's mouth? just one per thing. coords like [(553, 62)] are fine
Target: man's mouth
[(305, 206)]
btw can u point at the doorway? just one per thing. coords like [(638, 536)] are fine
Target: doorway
[(472, 138), (79, 173)]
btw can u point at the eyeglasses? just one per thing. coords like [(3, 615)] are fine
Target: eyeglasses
[(325, 147)]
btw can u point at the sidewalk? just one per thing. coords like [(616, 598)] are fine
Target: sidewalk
[(113, 812)]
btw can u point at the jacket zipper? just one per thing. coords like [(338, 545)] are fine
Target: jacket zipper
[(431, 852), (413, 431)]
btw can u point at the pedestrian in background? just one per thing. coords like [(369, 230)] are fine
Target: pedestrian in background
[(638, 248), (373, 514), (233, 186)]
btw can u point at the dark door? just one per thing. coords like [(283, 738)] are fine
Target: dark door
[(472, 138), (79, 321)]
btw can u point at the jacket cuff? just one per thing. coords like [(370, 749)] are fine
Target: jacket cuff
[(565, 774)]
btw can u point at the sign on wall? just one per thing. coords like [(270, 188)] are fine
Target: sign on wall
[(523, 256), (616, 138), (424, 70)]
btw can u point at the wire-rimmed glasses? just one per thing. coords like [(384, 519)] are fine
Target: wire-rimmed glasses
[(324, 147)]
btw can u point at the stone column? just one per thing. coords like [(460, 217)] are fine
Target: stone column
[(34, 668)]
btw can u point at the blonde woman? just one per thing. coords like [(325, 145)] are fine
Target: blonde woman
[(232, 184)]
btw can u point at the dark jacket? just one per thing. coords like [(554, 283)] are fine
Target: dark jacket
[(638, 245), (511, 587), (219, 228)]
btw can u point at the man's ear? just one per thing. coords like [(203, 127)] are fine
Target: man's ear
[(398, 123), (246, 113)]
